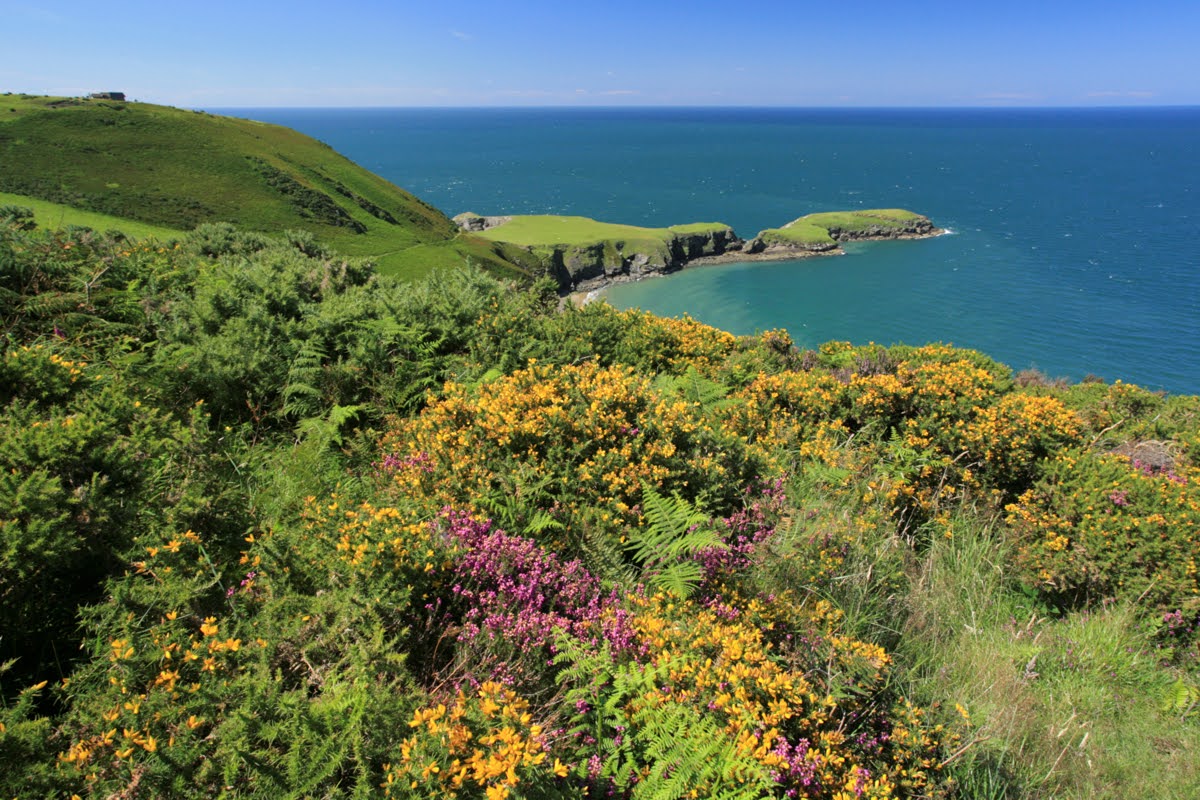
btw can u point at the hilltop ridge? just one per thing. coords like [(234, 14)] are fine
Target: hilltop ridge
[(176, 169)]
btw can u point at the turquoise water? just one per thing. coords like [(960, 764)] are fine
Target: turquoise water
[(1076, 233)]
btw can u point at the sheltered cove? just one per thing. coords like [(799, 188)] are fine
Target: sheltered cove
[(585, 255)]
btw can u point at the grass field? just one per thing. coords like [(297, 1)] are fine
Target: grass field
[(545, 229), (801, 232), (56, 215), (863, 220), (544, 233)]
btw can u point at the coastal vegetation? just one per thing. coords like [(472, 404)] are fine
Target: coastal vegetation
[(275, 522), (154, 170)]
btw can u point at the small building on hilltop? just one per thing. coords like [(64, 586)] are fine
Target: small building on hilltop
[(107, 96)]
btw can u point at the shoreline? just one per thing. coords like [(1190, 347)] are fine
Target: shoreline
[(583, 296)]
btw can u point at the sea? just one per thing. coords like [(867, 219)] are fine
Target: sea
[(1073, 235)]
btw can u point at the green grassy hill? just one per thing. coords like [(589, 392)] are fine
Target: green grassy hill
[(176, 169), (823, 231)]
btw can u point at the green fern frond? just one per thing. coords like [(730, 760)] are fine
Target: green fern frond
[(694, 388), (302, 394), (1180, 698), (676, 531), (665, 751), (327, 431), (689, 752)]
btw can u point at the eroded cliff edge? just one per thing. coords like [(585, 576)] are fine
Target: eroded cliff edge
[(584, 254)]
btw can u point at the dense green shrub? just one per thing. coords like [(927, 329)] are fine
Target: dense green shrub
[(1101, 526)]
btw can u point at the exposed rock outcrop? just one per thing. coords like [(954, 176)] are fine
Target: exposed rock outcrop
[(714, 242), (584, 267), (910, 229), (766, 245), (471, 222)]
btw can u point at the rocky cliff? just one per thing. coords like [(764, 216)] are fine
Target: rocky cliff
[(586, 266), (582, 254)]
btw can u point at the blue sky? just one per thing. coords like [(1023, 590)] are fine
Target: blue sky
[(219, 54)]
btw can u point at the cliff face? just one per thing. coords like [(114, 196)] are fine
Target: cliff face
[(582, 267), (589, 265), (716, 241), (912, 228), (770, 243), (582, 254)]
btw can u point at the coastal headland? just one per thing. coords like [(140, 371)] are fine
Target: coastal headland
[(583, 254)]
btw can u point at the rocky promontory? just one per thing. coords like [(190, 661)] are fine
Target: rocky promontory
[(824, 232), (584, 254)]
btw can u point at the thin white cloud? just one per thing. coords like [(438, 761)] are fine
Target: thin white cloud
[(1136, 95), (466, 37), (616, 92)]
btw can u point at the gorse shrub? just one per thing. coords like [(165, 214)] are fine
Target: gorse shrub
[(483, 744), (928, 424), (1101, 526), (574, 442), (511, 333)]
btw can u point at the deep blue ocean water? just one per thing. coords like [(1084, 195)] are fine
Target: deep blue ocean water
[(1076, 233)]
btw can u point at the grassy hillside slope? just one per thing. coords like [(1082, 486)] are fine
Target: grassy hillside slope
[(57, 215), (177, 169)]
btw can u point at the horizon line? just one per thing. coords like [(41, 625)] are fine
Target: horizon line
[(738, 107)]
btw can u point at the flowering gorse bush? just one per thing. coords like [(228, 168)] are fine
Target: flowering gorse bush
[(509, 333), (926, 424), (577, 442), (1101, 526), (480, 744)]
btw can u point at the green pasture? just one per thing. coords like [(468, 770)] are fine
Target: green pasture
[(56, 215)]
